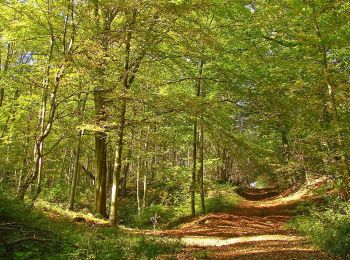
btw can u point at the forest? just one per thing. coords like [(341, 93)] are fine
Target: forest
[(174, 129)]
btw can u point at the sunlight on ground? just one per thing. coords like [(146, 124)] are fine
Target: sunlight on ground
[(55, 211), (303, 193), (216, 241)]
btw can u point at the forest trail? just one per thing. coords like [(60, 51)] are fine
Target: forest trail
[(256, 229)]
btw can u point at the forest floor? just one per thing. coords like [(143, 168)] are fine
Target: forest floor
[(256, 229)]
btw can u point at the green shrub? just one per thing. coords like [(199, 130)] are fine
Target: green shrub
[(67, 240), (132, 247), (220, 203), (328, 227), (57, 194), (164, 214)]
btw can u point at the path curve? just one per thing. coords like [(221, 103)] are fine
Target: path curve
[(256, 229)]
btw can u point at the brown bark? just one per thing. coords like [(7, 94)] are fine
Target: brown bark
[(2, 93), (195, 144), (100, 111), (125, 174), (75, 171), (194, 169), (101, 173), (201, 167)]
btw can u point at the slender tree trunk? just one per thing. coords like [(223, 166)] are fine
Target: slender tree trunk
[(39, 141), (285, 145), (2, 93), (201, 167), (113, 217), (154, 157), (138, 185), (144, 187), (145, 170), (76, 171), (101, 173), (125, 174), (188, 158), (63, 163), (38, 167), (195, 142), (224, 168), (25, 164), (4, 68), (194, 169), (331, 95), (153, 166), (127, 82)]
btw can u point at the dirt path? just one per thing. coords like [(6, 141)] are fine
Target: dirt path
[(254, 230)]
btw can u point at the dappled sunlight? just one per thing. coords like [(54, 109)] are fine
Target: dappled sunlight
[(217, 241), (307, 191), (254, 227), (174, 129), (54, 211)]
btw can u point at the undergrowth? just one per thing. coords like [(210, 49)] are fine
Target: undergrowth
[(29, 234), (48, 232), (327, 226), (221, 198), (172, 207)]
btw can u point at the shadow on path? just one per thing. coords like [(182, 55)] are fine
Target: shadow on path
[(255, 229)]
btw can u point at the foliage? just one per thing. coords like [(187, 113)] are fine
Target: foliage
[(84, 243), (220, 203), (221, 198), (327, 226), (151, 95)]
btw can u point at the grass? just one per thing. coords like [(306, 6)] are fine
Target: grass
[(220, 198), (52, 233), (60, 238), (171, 204)]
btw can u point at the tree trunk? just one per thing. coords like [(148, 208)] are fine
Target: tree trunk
[(45, 128), (331, 95), (101, 114), (144, 187), (145, 169), (138, 185), (113, 217), (128, 78), (285, 145), (101, 173), (2, 92), (194, 169), (76, 171), (4, 68), (195, 142), (125, 174), (38, 168), (201, 167)]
